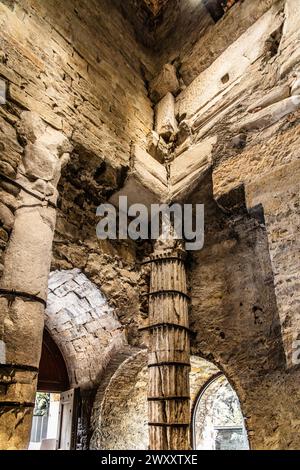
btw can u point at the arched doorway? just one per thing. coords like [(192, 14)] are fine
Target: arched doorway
[(218, 422), (52, 391), (53, 374)]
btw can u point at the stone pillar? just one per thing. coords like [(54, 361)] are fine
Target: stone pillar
[(169, 353), (24, 284)]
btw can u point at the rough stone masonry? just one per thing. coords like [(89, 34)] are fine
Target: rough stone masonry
[(193, 102)]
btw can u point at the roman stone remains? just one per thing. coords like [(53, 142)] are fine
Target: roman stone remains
[(149, 345)]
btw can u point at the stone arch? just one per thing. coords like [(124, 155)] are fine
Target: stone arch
[(234, 317), (53, 375), (217, 410), (83, 325), (120, 417), (120, 411)]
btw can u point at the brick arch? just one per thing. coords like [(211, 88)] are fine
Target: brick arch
[(83, 325)]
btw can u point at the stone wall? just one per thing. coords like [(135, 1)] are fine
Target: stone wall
[(120, 411), (218, 407), (203, 52), (236, 88), (119, 418), (79, 67), (83, 325), (245, 93)]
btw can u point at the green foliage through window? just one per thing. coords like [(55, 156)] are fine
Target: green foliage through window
[(42, 401)]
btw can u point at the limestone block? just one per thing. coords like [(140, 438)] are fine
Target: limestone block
[(184, 132), (39, 162), (30, 241), (292, 18), (165, 82), (7, 170), (41, 186), (291, 62), (146, 182), (22, 321), (156, 147), (185, 145), (152, 141), (2, 92), (230, 66), (187, 170), (6, 216), (55, 142), (275, 95), (19, 385), (270, 115), (295, 89), (44, 148), (12, 435), (165, 121), (31, 126), (8, 200)]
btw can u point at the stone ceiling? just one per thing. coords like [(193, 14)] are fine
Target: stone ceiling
[(178, 20), (156, 5)]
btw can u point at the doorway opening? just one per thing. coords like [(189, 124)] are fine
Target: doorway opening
[(45, 421), (54, 421)]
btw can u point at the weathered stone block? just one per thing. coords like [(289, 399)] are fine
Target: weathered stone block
[(275, 95), (8, 200), (230, 66), (157, 147), (39, 162), (187, 170), (146, 182), (7, 170), (291, 63), (270, 115), (292, 18), (2, 92), (165, 82), (184, 132), (295, 89), (165, 121), (31, 127), (6, 216)]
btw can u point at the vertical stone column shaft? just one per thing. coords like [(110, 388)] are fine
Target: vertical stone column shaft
[(24, 283), (169, 355)]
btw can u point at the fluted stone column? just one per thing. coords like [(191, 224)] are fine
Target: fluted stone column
[(24, 284), (169, 353)]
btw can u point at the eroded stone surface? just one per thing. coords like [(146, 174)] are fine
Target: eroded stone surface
[(83, 325), (165, 122), (244, 283), (165, 82), (123, 406)]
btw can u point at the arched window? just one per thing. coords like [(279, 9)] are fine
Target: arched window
[(218, 423)]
